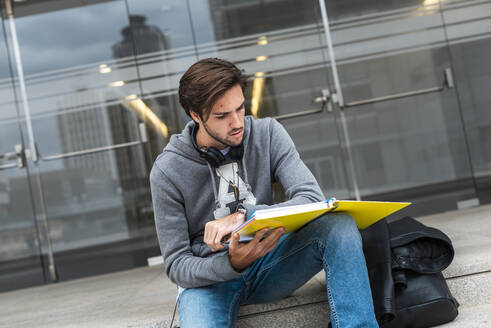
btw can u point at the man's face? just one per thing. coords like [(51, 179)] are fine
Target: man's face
[(225, 124)]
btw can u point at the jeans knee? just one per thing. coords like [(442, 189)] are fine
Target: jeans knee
[(205, 307), (341, 228)]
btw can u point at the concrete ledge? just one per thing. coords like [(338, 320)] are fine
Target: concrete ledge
[(306, 307), (471, 317), (144, 297), (470, 232), (314, 291), (471, 290), (136, 298), (299, 316)]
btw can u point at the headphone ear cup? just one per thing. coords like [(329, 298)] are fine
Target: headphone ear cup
[(214, 157), (237, 152)]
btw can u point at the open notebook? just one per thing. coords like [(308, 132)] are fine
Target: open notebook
[(294, 217)]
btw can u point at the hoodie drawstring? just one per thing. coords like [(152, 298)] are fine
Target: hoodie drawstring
[(213, 181), (248, 186), (214, 185)]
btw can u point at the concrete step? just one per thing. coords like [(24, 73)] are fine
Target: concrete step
[(477, 316), (470, 232), (468, 277), (144, 297), (308, 306), (301, 316), (471, 290)]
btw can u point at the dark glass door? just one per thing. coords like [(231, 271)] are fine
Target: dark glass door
[(468, 30), (400, 105), (81, 110), (21, 262)]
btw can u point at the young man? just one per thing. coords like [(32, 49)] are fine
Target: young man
[(218, 171)]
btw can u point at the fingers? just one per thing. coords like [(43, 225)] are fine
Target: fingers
[(207, 235), (220, 231), (210, 236), (270, 242), (234, 243), (215, 230), (263, 246), (217, 242), (259, 235), (243, 255)]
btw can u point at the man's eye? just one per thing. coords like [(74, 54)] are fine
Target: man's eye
[(220, 117)]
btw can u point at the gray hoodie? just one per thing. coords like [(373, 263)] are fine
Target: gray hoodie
[(184, 193)]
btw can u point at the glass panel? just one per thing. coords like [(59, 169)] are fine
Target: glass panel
[(80, 59), (468, 26), (408, 149), (165, 42), (20, 260), (84, 92), (99, 212), (315, 135), (279, 43), (87, 89), (235, 18)]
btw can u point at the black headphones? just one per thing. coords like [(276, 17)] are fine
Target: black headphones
[(213, 155)]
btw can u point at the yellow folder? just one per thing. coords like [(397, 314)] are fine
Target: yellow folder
[(367, 213), (292, 218)]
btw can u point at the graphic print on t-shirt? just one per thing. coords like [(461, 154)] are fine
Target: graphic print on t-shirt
[(226, 197)]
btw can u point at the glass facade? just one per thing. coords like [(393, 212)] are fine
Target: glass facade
[(89, 99)]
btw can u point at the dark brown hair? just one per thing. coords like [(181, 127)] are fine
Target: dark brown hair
[(206, 81)]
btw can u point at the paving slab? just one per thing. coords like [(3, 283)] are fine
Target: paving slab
[(471, 290), (471, 317), (133, 298), (470, 232), (144, 297)]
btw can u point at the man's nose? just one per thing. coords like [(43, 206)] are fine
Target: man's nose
[(236, 122)]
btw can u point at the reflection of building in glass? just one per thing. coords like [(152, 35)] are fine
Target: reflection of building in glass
[(145, 38), (124, 169), (234, 19), (80, 130), (138, 39), (86, 129)]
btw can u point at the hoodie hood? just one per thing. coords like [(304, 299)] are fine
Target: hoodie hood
[(182, 144)]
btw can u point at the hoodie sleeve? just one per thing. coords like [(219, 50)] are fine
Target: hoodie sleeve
[(286, 167), (181, 266)]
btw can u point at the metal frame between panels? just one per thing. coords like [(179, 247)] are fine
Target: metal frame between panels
[(20, 154), (337, 97)]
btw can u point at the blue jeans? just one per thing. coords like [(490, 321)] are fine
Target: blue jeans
[(331, 242)]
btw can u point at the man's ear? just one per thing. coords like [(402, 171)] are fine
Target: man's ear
[(195, 117)]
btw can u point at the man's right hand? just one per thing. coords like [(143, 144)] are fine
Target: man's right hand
[(216, 229), (243, 255)]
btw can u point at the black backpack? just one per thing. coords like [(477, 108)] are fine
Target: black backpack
[(404, 261)]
